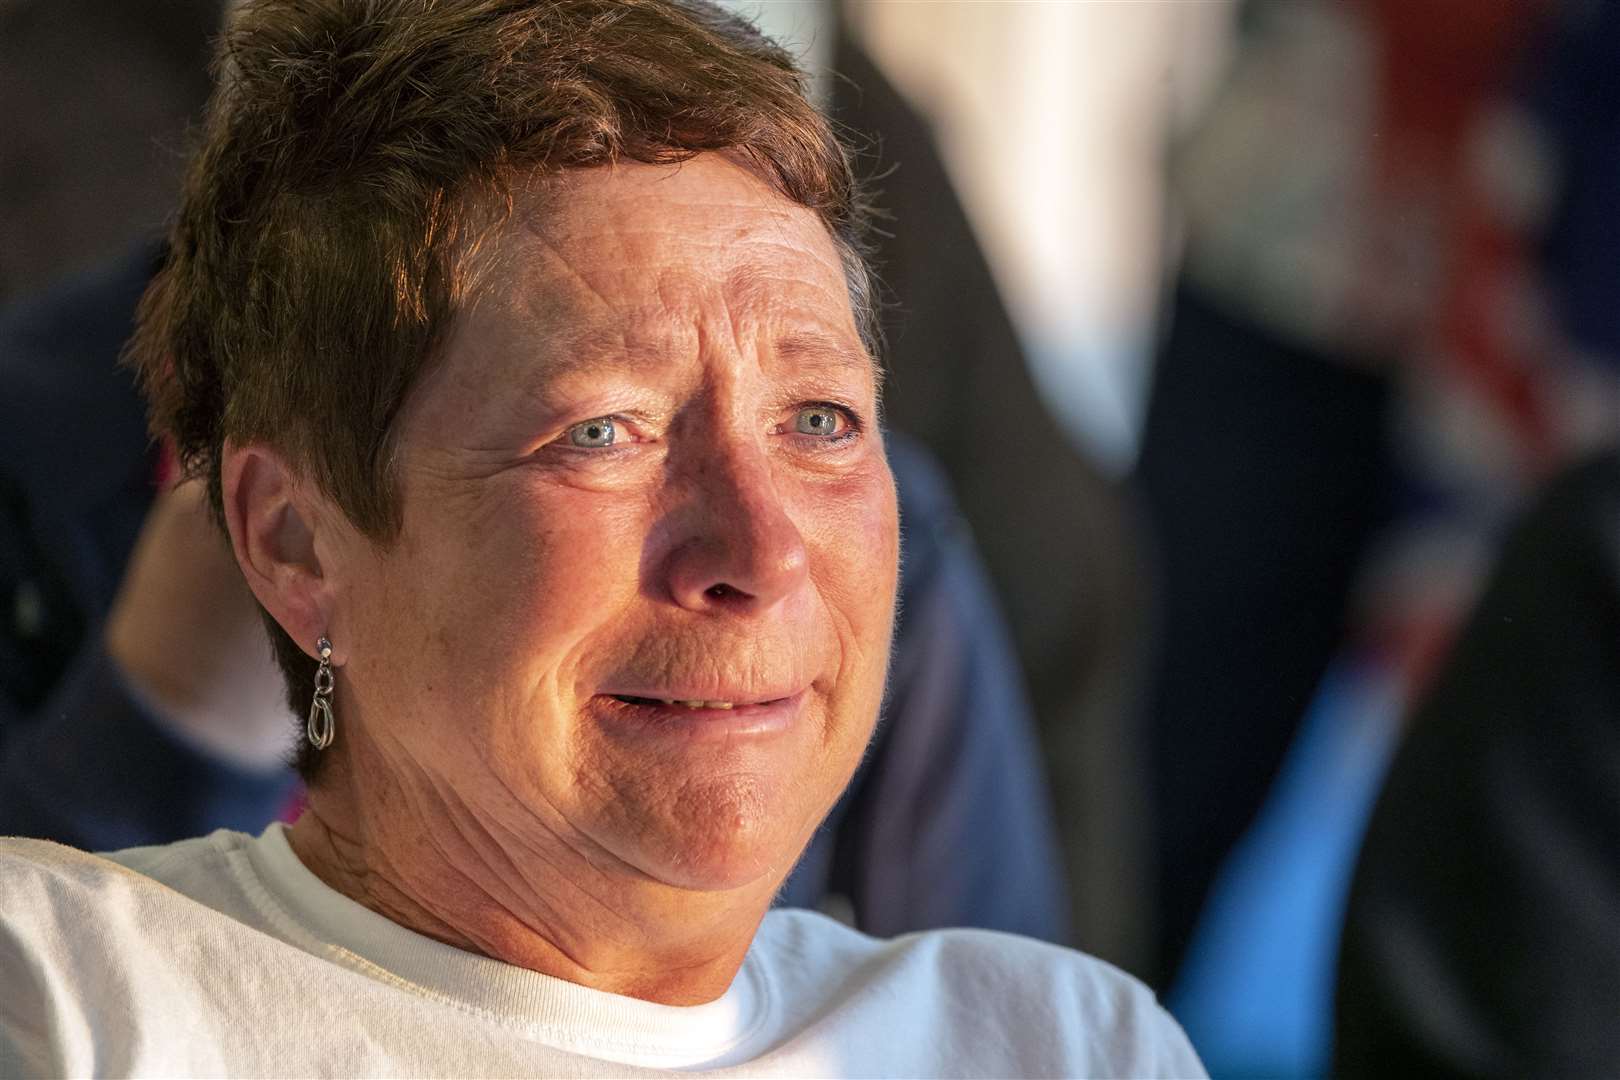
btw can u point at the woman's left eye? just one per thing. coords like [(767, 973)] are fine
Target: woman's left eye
[(593, 434), (820, 420)]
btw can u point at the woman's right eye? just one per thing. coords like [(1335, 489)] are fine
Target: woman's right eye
[(592, 434)]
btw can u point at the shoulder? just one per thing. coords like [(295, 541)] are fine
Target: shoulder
[(60, 906), (1046, 1009), (42, 881), (43, 884), (98, 952), (39, 871), (59, 909)]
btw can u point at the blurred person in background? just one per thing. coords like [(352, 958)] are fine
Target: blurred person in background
[(137, 699), (1372, 362), (138, 702), (1482, 936), (162, 722)]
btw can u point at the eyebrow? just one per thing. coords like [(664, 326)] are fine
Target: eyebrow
[(824, 350)]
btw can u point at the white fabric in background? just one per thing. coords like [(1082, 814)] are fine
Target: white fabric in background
[(224, 955)]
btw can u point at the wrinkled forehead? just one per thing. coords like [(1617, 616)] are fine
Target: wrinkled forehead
[(624, 268), (633, 248)]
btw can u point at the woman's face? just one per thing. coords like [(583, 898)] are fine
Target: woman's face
[(648, 470)]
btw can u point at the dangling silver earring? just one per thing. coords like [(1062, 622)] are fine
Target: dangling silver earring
[(321, 728)]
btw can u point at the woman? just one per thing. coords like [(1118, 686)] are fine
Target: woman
[(525, 350)]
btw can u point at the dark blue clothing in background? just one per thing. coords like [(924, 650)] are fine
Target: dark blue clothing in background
[(80, 760), (1573, 94), (947, 822)]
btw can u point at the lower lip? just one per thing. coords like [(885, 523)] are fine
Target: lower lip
[(678, 721)]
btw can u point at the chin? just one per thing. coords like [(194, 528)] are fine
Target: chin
[(726, 835)]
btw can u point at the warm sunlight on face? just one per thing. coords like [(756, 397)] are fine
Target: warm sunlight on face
[(642, 600)]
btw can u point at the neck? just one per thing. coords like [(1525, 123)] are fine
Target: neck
[(535, 901)]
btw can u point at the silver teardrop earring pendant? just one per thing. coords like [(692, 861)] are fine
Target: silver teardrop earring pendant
[(321, 728)]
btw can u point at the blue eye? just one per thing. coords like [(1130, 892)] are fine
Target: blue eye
[(819, 420), (592, 434)]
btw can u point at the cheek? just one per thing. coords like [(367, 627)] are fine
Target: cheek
[(854, 540), (854, 535), (506, 593)]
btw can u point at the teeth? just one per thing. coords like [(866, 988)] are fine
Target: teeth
[(702, 704)]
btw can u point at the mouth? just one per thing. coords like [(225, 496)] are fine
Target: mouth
[(699, 717)]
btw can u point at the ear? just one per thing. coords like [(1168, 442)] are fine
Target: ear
[(275, 526)]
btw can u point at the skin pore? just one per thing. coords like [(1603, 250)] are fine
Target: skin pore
[(647, 469)]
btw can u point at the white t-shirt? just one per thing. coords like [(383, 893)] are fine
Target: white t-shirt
[(225, 956)]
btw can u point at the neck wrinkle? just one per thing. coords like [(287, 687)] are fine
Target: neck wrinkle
[(530, 931)]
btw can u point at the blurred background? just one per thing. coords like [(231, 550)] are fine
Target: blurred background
[(1272, 351)]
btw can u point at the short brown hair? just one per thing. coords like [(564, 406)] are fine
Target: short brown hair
[(352, 154)]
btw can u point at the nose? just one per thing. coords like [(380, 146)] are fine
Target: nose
[(739, 550)]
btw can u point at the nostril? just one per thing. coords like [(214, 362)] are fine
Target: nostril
[(719, 592)]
